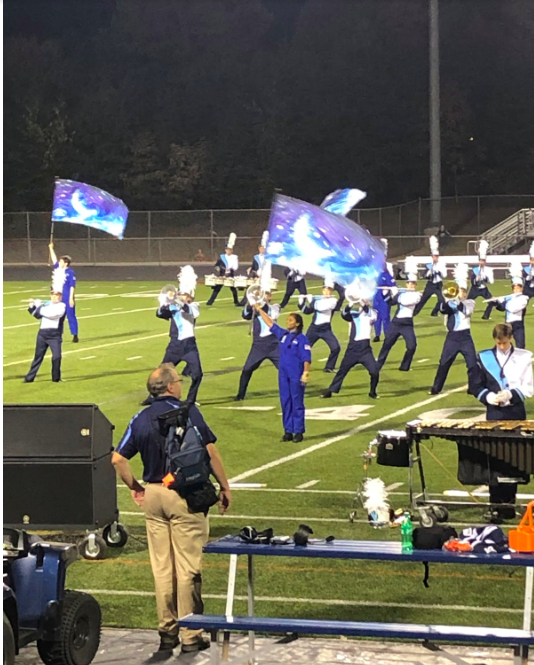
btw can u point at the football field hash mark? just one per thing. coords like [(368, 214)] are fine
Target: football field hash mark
[(310, 483), (134, 358)]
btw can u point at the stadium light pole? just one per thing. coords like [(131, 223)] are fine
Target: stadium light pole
[(434, 102)]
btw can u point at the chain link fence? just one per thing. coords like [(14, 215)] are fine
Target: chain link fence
[(173, 236)]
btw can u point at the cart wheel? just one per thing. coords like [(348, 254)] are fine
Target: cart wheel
[(79, 633), (352, 516), (441, 513), (9, 642), (93, 546), (427, 518), (117, 539)]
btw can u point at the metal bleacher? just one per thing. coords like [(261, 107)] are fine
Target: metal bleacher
[(511, 232)]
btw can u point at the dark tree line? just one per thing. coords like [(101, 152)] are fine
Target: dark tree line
[(214, 103)]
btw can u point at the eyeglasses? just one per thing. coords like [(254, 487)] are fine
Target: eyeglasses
[(177, 381)]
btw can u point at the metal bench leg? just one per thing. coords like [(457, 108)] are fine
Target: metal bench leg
[(214, 648), (521, 655), (250, 607), (229, 603), (527, 612)]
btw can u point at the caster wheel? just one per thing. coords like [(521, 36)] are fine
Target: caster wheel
[(427, 518), (441, 513), (117, 537), (93, 547), (352, 516)]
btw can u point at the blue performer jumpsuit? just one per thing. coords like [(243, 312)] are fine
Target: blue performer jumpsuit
[(322, 309), (380, 304), (359, 348), (265, 345), (496, 371), (52, 316), (182, 346), (434, 274), (401, 326), (294, 281), (64, 279), (480, 278), (458, 340), (294, 352)]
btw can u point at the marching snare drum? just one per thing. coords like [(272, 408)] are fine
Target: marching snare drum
[(240, 282), (213, 280), (274, 283), (228, 281), (393, 448)]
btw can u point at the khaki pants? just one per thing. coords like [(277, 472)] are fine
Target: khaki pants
[(175, 541)]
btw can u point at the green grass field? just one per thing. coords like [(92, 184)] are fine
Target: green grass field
[(121, 341)]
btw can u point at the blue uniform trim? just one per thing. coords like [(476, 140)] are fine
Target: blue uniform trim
[(490, 363), (482, 393), (519, 394), (127, 435), (224, 259), (177, 318)]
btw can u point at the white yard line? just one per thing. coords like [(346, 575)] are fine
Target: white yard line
[(342, 437), (229, 358), (318, 601), (125, 341), (134, 358), (394, 486), (310, 483), (423, 360)]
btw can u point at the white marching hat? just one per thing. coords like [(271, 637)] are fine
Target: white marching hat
[(483, 249), (410, 268), (434, 245), (461, 272), (231, 241), (187, 280)]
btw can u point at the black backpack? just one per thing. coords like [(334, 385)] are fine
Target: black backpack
[(186, 459)]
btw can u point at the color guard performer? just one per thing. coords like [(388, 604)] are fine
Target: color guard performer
[(259, 259), (528, 275), (64, 281), (380, 304), (227, 266), (515, 305), (50, 335), (481, 276), (402, 323), (503, 382), (458, 311), (435, 274), (359, 350), (295, 362), (295, 281), (182, 312), (322, 308), (265, 345)]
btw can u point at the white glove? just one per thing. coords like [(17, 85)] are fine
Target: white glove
[(504, 397), (309, 298), (394, 290), (36, 303), (301, 300), (493, 399), (162, 298)]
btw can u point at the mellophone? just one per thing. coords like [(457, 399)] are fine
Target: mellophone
[(511, 442), (239, 282)]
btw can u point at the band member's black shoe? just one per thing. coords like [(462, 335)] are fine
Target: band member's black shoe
[(298, 438), (75, 339), (287, 437), (486, 318), (376, 338), (329, 371), (25, 380), (374, 396), (238, 398), (326, 394), (433, 392)]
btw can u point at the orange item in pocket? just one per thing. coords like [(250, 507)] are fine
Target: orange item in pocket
[(522, 538), (168, 480)]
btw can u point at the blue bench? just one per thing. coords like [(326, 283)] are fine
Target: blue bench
[(213, 623), (519, 639)]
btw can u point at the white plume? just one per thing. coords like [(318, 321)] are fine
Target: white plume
[(376, 502), (410, 268), (461, 273), (434, 245), (265, 277), (264, 239), (483, 249), (384, 241), (231, 241), (516, 271), (329, 282), (188, 280), (531, 251)]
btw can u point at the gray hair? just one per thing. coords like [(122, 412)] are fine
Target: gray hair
[(160, 378)]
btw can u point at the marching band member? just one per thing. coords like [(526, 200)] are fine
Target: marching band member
[(259, 259), (435, 274), (458, 312), (380, 304), (265, 345), (295, 362), (322, 309), (528, 275), (515, 305), (182, 312), (295, 280), (503, 380), (64, 281), (52, 316), (481, 276), (227, 266), (359, 350), (402, 323)]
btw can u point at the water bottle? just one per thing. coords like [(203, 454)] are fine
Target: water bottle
[(407, 534)]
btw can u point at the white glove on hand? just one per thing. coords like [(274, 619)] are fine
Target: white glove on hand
[(162, 299), (394, 290), (504, 397), (493, 399), (309, 298)]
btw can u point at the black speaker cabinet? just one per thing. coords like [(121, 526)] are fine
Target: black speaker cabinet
[(56, 431), (46, 494)]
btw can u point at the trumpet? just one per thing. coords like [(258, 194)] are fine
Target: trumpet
[(450, 290)]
